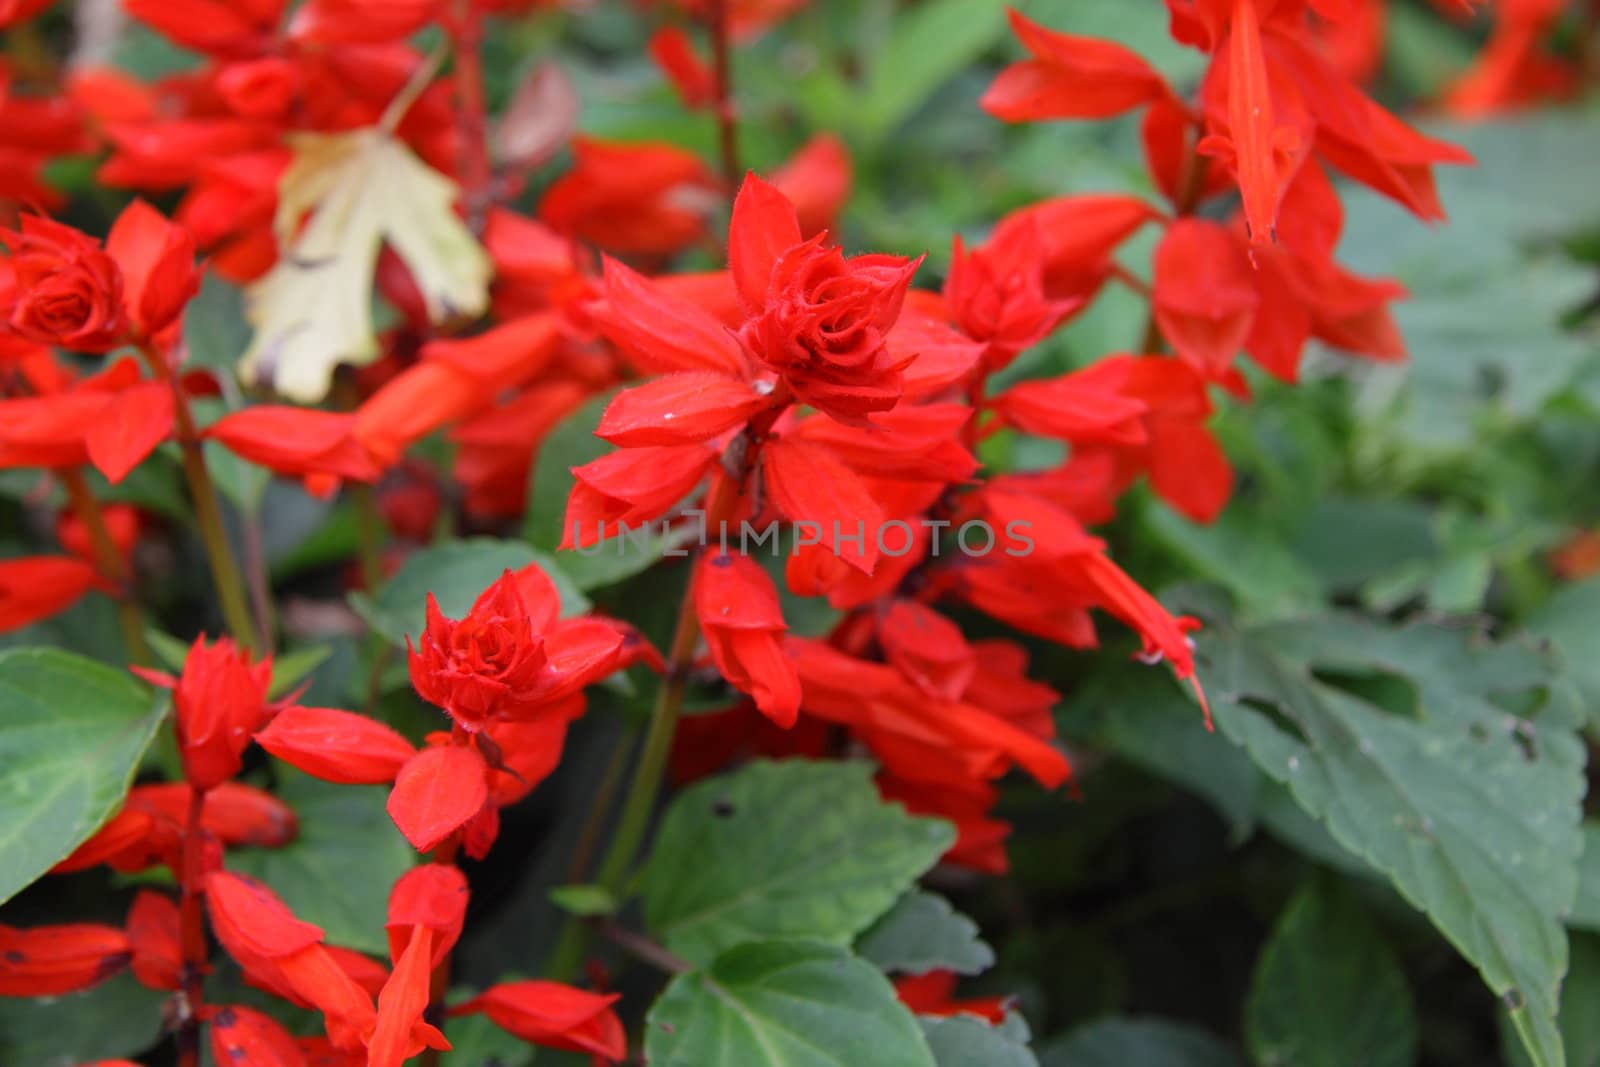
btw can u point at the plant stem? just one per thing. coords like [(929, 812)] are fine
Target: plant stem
[(471, 112), (193, 932), (727, 117), (110, 562), (636, 944), (208, 512), (439, 981)]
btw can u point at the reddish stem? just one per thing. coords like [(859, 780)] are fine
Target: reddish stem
[(727, 127), (472, 120), (196, 953)]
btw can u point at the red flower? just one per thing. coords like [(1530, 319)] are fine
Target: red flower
[(66, 291), (553, 1015), (244, 1035), (737, 606), (934, 994), (37, 587), (996, 293), (336, 746), (437, 793), (644, 198), (221, 700), (155, 937), (51, 960), (816, 180), (509, 656), (1070, 78), (817, 318)]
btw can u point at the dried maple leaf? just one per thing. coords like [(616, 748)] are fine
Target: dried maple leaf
[(356, 192)]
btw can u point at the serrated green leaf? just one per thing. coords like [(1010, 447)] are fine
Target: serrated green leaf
[(778, 850), (337, 871), (923, 933), (783, 1004), (455, 574), (114, 1020), (71, 738), (1327, 991), (1123, 1042), (968, 1041), (1470, 810)]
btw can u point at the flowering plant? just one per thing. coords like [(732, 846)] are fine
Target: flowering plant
[(649, 585)]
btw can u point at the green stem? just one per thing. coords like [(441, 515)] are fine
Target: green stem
[(208, 512), (110, 562)]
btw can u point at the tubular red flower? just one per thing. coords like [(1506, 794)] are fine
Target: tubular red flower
[(553, 1015), (51, 960), (336, 746)]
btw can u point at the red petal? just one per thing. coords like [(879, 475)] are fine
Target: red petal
[(154, 935), (662, 332), (679, 409), (37, 587), (400, 1006), (1070, 78), (336, 746), (248, 914), (50, 960), (811, 487), (129, 428), (554, 1015), (763, 228), (241, 1035), (436, 793), (432, 896)]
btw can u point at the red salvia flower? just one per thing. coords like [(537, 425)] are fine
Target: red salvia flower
[(51, 960), (221, 700), (336, 746), (737, 606), (553, 1015)]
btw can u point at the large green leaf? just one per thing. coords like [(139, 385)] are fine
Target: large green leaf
[(1567, 620), (923, 933), (783, 1004), (1123, 1042), (1580, 1023), (338, 869), (455, 574), (1469, 809), (114, 1020), (1327, 990), (792, 849), (71, 735)]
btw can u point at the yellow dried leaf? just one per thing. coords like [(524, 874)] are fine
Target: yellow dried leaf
[(356, 192)]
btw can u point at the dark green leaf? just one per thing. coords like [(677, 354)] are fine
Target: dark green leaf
[(791, 849), (923, 933), (584, 900), (783, 1004), (968, 1041), (1124, 1042), (115, 1020), (70, 740), (1327, 991), (338, 869), (930, 44), (1394, 738)]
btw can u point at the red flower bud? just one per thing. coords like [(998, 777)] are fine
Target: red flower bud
[(49, 960), (221, 700)]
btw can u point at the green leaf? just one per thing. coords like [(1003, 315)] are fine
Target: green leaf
[(1400, 741), (455, 574), (1567, 621), (1586, 909), (292, 668), (1580, 1023), (792, 849), (1327, 991), (114, 1020), (968, 1041), (70, 739), (584, 900), (337, 871), (783, 1004), (1124, 1042), (923, 933), (929, 45)]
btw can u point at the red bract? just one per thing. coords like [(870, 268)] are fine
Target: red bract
[(818, 319), (37, 587), (221, 700), (737, 606), (553, 1015), (51, 960), (437, 793), (510, 656), (337, 746)]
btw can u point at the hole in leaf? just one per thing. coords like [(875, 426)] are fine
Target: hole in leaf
[(1394, 693)]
